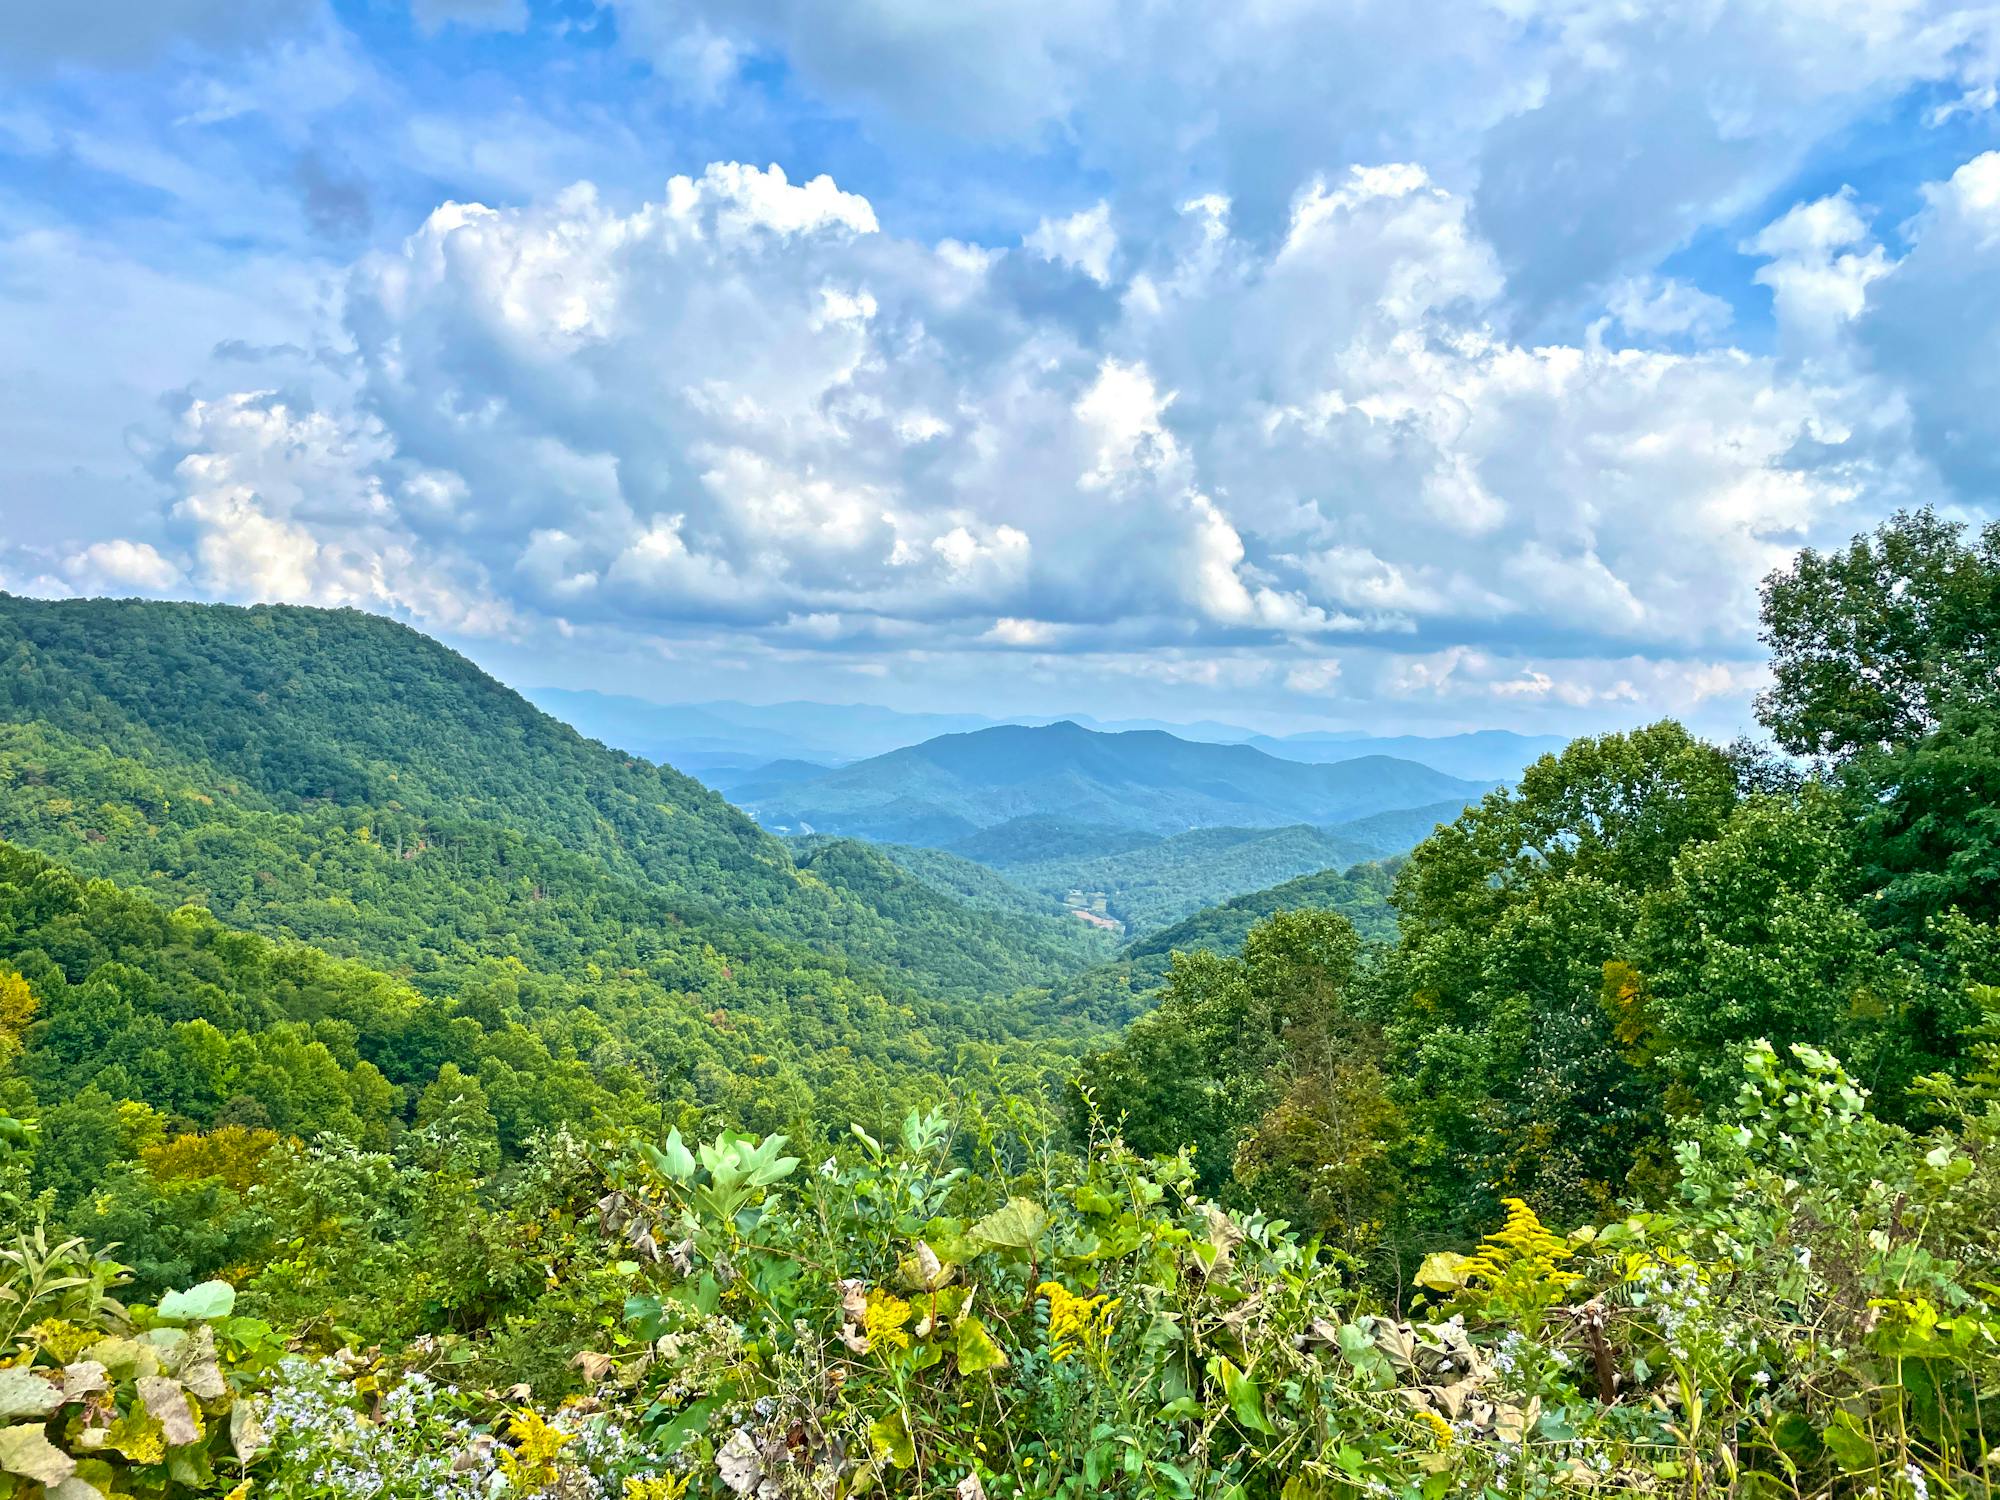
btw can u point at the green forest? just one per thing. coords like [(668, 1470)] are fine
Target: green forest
[(401, 1095)]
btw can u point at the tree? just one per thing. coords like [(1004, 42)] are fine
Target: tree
[(1506, 1065), (1218, 1052), (1871, 645)]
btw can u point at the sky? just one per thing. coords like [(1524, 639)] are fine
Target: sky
[(1379, 364)]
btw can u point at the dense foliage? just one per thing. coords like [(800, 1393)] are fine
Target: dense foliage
[(1579, 957), (963, 1312), (1161, 885)]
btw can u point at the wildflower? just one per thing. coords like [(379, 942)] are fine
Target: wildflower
[(1523, 1248), (1076, 1322), (1440, 1428), (883, 1318), (1918, 1487)]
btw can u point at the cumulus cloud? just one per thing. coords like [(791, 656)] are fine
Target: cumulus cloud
[(1085, 241), (121, 565), (1931, 325), (1664, 306), (746, 412), (1820, 259)]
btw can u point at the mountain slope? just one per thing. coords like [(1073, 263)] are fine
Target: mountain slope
[(337, 778), (943, 790)]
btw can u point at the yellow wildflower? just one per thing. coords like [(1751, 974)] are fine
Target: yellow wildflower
[(1076, 1322), (657, 1487), (1521, 1251), (62, 1341), (531, 1464), (1440, 1428), (884, 1318)]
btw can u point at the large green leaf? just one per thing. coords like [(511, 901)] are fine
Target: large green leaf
[(1016, 1226), (211, 1299), (976, 1349), (1245, 1396), (890, 1438)]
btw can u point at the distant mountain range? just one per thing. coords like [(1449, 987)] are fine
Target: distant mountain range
[(949, 789), (729, 744), (1483, 755)]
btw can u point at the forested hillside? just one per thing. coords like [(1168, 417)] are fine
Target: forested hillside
[(341, 779), (1638, 1135)]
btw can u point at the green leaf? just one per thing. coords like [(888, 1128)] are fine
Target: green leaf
[(1443, 1271), (1850, 1446), (688, 1422), (211, 1299), (27, 1451), (976, 1349), (674, 1160), (1245, 1396), (1017, 1226), (890, 1438), (1091, 1201)]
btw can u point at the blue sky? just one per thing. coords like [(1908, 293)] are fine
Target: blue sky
[(1397, 366)]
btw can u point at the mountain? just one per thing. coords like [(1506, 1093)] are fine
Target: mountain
[(1483, 755), (338, 779), (944, 790)]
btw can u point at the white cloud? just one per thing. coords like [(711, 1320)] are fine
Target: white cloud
[(1084, 241), (744, 413), (1563, 117), (1820, 261), (1665, 306), (105, 567), (1932, 322)]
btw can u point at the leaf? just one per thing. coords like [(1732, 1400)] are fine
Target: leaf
[(211, 1299), (1016, 1226), (25, 1394), (76, 1487), (195, 1364), (976, 1349), (27, 1451), (246, 1430), (167, 1404), (685, 1425), (1849, 1446), (737, 1464), (1246, 1398), (674, 1160), (1443, 1271), (890, 1438), (1089, 1200)]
